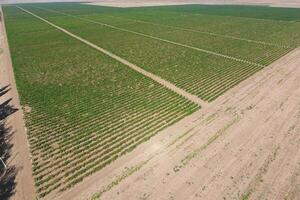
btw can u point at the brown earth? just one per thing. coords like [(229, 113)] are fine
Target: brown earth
[(19, 159), (244, 144), (143, 3)]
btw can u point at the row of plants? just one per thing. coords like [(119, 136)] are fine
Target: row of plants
[(249, 51), (276, 31), (94, 134), (82, 109), (194, 71), (78, 166)]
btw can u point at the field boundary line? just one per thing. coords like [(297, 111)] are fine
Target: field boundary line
[(208, 33), (159, 39), (156, 78)]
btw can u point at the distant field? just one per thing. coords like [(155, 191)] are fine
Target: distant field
[(85, 109)]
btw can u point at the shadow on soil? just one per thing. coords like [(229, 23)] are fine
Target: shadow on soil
[(7, 175), (4, 90)]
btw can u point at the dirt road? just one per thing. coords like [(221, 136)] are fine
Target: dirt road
[(245, 144), (23, 187)]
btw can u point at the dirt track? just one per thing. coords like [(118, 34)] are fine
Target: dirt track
[(246, 143), (19, 157)]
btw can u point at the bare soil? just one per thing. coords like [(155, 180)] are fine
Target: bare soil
[(19, 159), (143, 3), (245, 144)]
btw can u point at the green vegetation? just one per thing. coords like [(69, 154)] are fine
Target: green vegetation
[(246, 196), (244, 46), (84, 109), (257, 12)]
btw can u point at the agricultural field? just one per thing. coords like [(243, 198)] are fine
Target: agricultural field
[(84, 109), (210, 60)]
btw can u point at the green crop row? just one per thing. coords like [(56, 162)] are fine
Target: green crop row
[(197, 20), (191, 69), (82, 109)]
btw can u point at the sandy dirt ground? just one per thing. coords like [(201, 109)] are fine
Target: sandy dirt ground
[(19, 158), (244, 144), (143, 3)]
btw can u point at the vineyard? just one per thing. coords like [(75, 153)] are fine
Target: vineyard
[(84, 109)]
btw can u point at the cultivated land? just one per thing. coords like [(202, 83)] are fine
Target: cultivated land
[(83, 108), (209, 58), (95, 82)]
